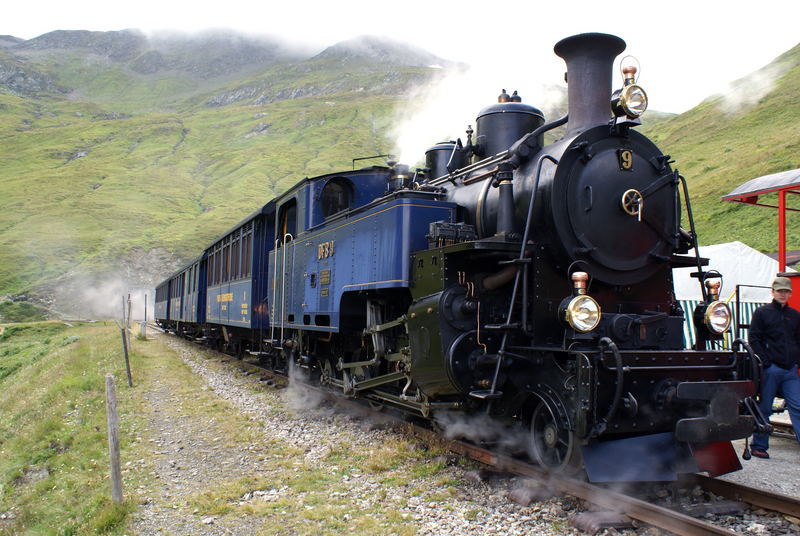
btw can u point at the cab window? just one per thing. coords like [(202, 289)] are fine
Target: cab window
[(335, 197)]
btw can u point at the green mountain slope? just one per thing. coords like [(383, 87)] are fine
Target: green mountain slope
[(110, 173), (122, 156), (751, 131)]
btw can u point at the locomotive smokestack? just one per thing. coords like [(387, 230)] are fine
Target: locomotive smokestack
[(590, 61)]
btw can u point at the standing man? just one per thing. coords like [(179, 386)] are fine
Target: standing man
[(775, 337)]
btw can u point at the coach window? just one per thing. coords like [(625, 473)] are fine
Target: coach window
[(235, 252), (210, 268), (335, 197), (217, 259), (247, 246), (226, 260), (288, 220)]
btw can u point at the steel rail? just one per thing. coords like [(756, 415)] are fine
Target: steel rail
[(782, 429), (651, 514), (770, 500)]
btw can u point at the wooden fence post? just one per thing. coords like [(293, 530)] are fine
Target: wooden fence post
[(113, 439), (125, 350)]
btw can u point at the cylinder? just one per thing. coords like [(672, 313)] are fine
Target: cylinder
[(500, 125), (505, 214), (438, 156), (590, 59)]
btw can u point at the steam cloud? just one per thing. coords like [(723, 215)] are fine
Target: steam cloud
[(482, 428), (442, 110), (296, 396), (745, 93), (88, 298)]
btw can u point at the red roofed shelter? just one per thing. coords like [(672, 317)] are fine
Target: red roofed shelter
[(752, 192)]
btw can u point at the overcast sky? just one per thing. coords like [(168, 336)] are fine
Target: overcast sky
[(688, 50)]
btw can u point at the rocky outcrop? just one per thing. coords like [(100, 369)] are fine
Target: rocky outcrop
[(380, 50), (149, 62), (212, 54), (117, 46), (391, 83), (24, 80), (363, 75), (10, 41)]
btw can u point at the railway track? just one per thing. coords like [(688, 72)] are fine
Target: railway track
[(670, 519), (782, 429)]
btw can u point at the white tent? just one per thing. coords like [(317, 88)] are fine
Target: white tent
[(739, 264)]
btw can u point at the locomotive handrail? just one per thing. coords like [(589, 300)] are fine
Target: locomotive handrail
[(763, 425), (600, 427), (283, 285), (463, 171), (274, 293), (526, 234), (756, 366), (523, 247), (688, 203)]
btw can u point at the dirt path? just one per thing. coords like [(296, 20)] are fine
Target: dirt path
[(194, 455)]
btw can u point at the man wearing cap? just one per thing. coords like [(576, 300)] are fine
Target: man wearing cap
[(775, 338)]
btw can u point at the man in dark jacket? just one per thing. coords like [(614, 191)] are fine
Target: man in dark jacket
[(775, 337)]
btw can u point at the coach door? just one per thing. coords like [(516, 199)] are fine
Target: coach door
[(283, 267)]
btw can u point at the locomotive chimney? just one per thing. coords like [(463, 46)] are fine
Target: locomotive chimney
[(590, 61)]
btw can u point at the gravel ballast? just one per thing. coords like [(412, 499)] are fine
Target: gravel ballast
[(191, 457)]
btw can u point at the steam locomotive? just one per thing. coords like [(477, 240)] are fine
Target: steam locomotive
[(528, 282)]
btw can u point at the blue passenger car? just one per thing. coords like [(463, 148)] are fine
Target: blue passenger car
[(161, 307), (236, 299), (186, 302), (176, 284)]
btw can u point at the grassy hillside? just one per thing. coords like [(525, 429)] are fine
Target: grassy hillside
[(187, 453), (751, 131), (85, 189), (123, 157), (53, 447), (123, 173)]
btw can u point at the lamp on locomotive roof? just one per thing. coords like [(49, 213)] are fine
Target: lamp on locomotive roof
[(631, 100)]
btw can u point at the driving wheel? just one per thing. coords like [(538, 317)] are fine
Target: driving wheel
[(552, 446)]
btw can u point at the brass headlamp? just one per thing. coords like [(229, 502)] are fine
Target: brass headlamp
[(581, 312), (631, 100), (716, 316)]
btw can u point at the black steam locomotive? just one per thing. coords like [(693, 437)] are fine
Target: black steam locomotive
[(528, 282)]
